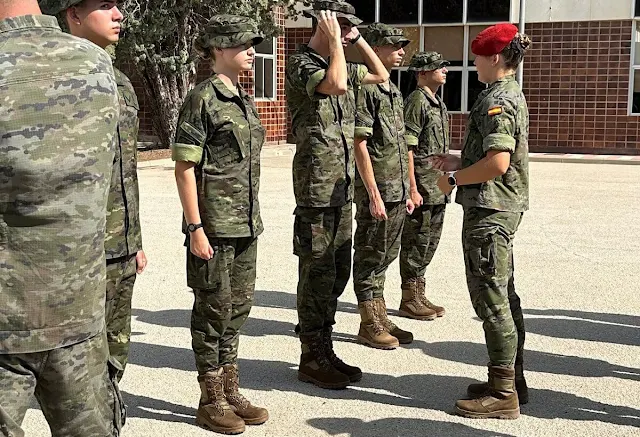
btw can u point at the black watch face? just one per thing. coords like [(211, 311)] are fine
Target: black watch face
[(191, 228), (452, 181)]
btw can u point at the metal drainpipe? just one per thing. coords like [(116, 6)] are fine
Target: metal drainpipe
[(519, 75)]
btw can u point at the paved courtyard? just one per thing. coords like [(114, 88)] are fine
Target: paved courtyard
[(577, 272)]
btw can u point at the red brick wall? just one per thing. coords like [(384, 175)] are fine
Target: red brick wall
[(576, 82)]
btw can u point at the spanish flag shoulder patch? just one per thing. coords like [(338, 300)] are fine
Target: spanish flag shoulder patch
[(496, 110)]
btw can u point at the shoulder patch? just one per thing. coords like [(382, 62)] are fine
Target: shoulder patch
[(494, 110)]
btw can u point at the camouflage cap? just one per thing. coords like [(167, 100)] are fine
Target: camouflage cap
[(225, 31), (427, 61), (342, 9), (53, 7), (379, 34)]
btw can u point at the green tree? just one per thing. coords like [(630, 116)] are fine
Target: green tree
[(158, 39)]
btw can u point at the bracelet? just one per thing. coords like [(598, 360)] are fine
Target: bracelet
[(355, 40)]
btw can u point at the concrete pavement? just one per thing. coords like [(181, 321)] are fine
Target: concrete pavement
[(577, 263)]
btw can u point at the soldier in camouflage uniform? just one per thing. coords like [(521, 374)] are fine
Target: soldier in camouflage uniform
[(381, 191), (320, 88), (217, 152), (56, 151), (427, 124), (493, 188), (123, 244)]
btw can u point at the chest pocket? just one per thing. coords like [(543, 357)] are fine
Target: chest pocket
[(227, 145)]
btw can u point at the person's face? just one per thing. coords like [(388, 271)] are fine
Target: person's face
[(486, 66), (238, 58), (391, 55), (348, 31), (99, 21), (437, 77)]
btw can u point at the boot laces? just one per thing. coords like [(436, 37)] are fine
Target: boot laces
[(233, 389), (215, 391), (320, 352)]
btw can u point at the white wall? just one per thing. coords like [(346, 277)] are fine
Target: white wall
[(540, 11), (300, 21)]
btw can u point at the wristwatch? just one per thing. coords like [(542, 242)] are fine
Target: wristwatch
[(193, 227), (355, 40), (452, 179)]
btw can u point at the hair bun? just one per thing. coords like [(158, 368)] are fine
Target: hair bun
[(524, 41)]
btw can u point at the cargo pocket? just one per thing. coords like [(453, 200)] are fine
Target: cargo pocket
[(481, 255), (119, 408), (205, 274), (309, 236)]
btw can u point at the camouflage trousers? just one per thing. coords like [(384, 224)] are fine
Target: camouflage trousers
[(487, 242), (322, 242), (420, 239), (223, 300), (376, 244), (121, 276), (75, 386)]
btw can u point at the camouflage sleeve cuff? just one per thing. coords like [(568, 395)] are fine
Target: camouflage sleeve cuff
[(186, 152), (499, 142), (412, 140), (314, 81), (363, 132)]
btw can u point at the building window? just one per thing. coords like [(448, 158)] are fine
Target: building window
[(446, 26), (399, 12), (265, 70), (365, 10)]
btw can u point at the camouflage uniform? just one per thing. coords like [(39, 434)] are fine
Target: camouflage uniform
[(427, 122), (221, 132), (380, 120), (124, 236), (499, 120), (323, 172), (57, 144)]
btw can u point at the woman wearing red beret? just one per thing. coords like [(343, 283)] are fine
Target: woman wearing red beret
[(492, 177)]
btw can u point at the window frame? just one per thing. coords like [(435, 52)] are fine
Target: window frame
[(273, 56), (465, 105), (635, 22)]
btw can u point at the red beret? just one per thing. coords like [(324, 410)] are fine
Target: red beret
[(494, 39)]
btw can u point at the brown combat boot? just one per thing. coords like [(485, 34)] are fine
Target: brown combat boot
[(404, 337), (214, 412), (499, 402), (423, 298), (372, 331), (354, 373), (411, 305), (239, 404), (475, 391), (315, 366)]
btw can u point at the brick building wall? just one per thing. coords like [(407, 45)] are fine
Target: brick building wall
[(576, 82)]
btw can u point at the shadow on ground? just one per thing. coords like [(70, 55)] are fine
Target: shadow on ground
[(476, 354), (582, 325), (155, 409), (398, 427), (426, 391)]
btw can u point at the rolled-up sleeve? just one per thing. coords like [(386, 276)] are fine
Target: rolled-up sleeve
[(190, 133), (499, 128)]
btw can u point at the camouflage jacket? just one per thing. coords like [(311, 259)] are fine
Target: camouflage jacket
[(222, 133), (380, 119), (427, 123), (499, 120), (124, 236), (58, 120), (323, 127)]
